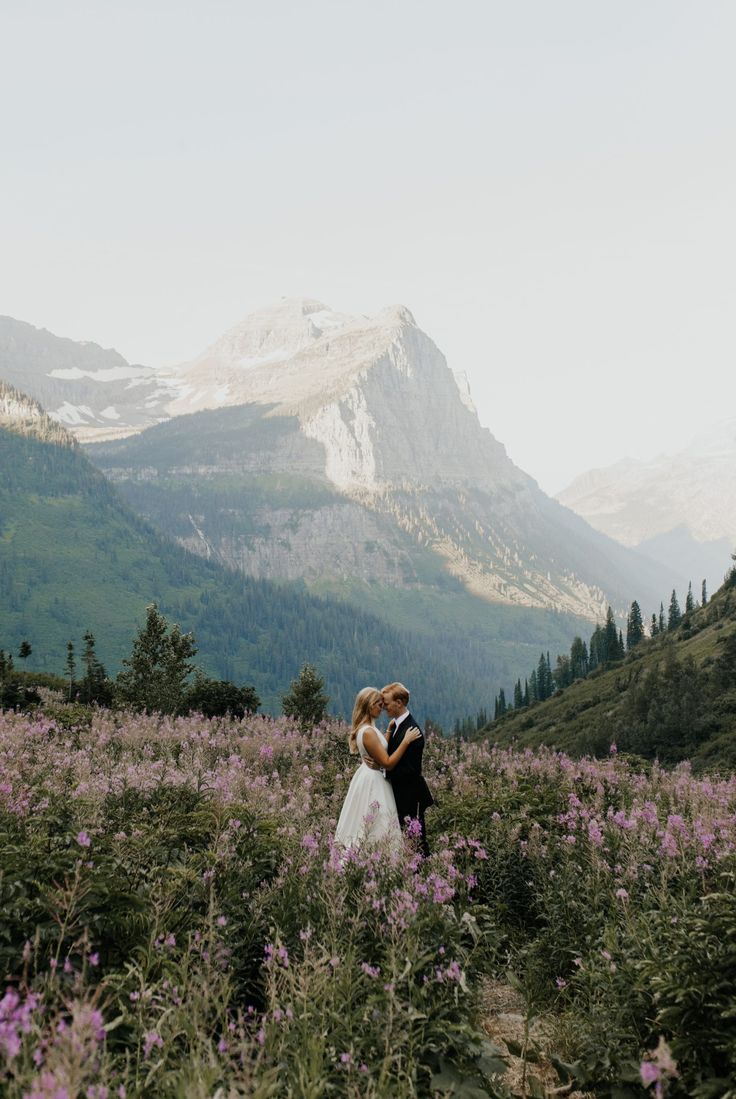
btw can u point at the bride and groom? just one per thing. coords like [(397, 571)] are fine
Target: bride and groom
[(388, 791)]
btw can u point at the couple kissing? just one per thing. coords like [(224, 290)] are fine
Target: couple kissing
[(388, 791)]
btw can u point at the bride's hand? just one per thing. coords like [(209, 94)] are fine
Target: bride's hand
[(413, 734)]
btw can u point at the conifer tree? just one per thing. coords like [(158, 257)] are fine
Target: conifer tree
[(578, 658), (662, 623), (305, 699), (542, 686), (597, 648), (501, 702), (634, 627), (675, 616), (533, 695), (71, 666), (563, 672), (25, 650), (518, 695), (156, 672), (689, 601), (703, 595), (526, 692), (95, 686), (654, 628), (610, 637)]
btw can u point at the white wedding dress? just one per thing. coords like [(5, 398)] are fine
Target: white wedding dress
[(368, 813)]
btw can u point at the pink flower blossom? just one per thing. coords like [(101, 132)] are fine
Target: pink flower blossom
[(152, 1040)]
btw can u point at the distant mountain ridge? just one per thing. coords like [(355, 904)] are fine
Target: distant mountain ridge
[(679, 509), (94, 392)]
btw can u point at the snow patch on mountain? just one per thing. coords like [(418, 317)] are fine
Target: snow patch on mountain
[(72, 415), (110, 374)]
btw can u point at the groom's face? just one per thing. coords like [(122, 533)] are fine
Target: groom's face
[(391, 706)]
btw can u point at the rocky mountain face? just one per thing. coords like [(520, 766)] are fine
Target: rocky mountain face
[(678, 509), (343, 450), (374, 392), (23, 415), (94, 392)]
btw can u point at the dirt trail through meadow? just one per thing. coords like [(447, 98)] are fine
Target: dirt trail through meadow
[(504, 1020)]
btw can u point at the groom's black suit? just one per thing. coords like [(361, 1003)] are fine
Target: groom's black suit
[(409, 785)]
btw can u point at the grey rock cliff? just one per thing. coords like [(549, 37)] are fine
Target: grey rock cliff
[(367, 408)]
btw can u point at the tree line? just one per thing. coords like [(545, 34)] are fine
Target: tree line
[(159, 676), (607, 645)]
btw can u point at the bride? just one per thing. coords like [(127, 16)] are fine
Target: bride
[(369, 810)]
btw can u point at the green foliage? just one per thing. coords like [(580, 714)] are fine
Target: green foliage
[(156, 672), (305, 700), (660, 716), (634, 627), (217, 698), (674, 616), (673, 697), (94, 685), (15, 696), (15, 692), (692, 982)]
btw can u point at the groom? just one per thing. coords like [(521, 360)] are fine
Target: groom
[(410, 788)]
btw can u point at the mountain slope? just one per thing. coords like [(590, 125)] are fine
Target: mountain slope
[(94, 392), (74, 557), (366, 416), (678, 509), (672, 698)]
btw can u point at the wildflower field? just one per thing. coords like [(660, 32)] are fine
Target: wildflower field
[(176, 922)]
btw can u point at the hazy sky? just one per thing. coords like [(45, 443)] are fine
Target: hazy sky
[(549, 186)]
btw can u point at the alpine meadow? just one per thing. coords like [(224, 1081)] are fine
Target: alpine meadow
[(367, 550)]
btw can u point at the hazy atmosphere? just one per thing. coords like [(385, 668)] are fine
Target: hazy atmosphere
[(361, 736), (549, 189)]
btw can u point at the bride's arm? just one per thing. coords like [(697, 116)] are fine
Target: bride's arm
[(378, 753)]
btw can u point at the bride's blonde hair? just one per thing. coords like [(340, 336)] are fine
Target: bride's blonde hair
[(362, 714)]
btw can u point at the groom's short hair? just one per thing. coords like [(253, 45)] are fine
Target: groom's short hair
[(397, 691)]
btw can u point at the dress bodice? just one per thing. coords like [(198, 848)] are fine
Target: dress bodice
[(364, 754)]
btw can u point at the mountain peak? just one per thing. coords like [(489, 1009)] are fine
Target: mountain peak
[(396, 314)]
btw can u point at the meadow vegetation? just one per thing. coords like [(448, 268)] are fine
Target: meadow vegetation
[(177, 921)]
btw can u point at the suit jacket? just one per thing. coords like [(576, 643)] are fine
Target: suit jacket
[(409, 785)]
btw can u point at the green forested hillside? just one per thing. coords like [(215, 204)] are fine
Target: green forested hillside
[(74, 557), (672, 697), (239, 485)]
